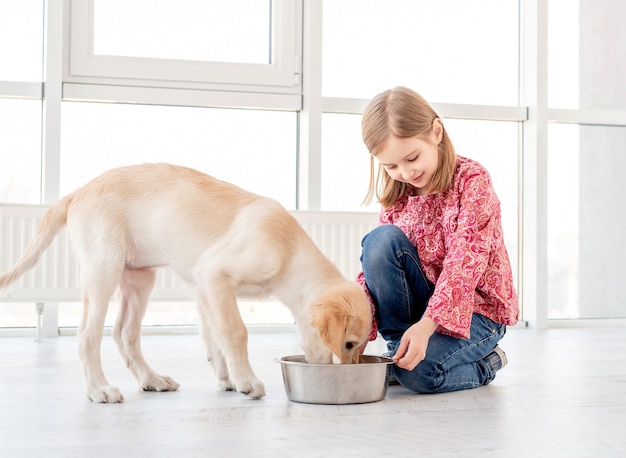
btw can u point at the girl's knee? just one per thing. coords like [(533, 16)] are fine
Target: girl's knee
[(381, 242), (384, 235), (426, 378)]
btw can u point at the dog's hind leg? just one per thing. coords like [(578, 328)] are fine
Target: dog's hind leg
[(214, 354), (99, 283), (135, 288)]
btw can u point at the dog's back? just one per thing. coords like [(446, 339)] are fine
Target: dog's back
[(156, 197), (159, 213)]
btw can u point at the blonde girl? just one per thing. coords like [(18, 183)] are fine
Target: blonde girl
[(436, 269)]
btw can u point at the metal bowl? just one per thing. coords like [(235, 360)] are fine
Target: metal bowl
[(335, 383)]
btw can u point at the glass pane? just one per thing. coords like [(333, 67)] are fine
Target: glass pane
[(21, 35), (586, 221), (200, 30), (563, 53), (449, 50), (166, 314), (253, 149), (563, 220), (20, 151), (345, 165), (586, 44), (17, 315)]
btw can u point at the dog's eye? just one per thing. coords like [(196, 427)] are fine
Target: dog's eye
[(349, 345)]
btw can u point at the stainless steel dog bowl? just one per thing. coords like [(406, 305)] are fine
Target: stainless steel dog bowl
[(335, 383)]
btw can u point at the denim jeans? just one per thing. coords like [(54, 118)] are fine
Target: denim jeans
[(400, 290)]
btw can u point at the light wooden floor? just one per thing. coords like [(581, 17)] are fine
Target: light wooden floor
[(562, 394)]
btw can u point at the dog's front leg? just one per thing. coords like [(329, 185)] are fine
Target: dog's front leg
[(219, 308), (214, 354)]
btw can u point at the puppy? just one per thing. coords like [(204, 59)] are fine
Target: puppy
[(225, 241)]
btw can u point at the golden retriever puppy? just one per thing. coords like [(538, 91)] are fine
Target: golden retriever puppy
[(225, 241)]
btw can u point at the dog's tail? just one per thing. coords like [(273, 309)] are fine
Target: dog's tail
[(51, 224)]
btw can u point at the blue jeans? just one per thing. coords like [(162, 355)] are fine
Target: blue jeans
[(400, 290)]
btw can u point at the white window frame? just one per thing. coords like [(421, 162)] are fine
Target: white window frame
[(21, 90), (88, 76)]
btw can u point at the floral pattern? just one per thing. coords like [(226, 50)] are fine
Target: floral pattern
[(458, 235)]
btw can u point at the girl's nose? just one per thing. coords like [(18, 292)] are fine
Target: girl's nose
[(407, 173)]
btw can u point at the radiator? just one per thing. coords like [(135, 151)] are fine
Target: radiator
[(57, 276)]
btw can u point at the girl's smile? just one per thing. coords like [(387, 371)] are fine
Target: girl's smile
[(415, 181)]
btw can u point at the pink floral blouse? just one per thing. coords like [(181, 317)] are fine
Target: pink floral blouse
[(458, 235)]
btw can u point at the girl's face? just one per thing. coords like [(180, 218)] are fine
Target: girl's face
[(412, 160)]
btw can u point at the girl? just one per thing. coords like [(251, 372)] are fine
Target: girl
[(436, 269)]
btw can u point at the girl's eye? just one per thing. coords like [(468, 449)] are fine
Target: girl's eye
[(413, 159)]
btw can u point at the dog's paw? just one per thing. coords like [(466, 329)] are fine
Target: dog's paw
[(225, 385), (253, 388), (105, 394), (159, 383)]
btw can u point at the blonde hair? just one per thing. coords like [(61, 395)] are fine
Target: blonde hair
[(402, 113)]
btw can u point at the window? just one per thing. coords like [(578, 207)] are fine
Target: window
[(586, 44), (216, 85), (184, 30), (21, 45), (444, 50), (345, 164), (20, 143), (21, 26), (587, 100), (240, 45), (252, 148), (563, 42), (20, 104), (449, 51), (587, 220)]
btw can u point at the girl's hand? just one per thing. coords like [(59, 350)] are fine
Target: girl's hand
[(413, 344)]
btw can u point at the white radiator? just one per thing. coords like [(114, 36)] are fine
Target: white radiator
[(56, 277)]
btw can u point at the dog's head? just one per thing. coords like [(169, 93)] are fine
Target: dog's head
[(343, 319)]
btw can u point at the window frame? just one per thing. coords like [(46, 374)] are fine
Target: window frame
[(98, 77)]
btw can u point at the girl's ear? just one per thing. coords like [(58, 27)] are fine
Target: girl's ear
[(437, 130)]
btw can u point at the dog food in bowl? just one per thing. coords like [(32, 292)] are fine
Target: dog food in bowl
[(335, 383)]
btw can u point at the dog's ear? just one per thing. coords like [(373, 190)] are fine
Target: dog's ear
[(330, 320)]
